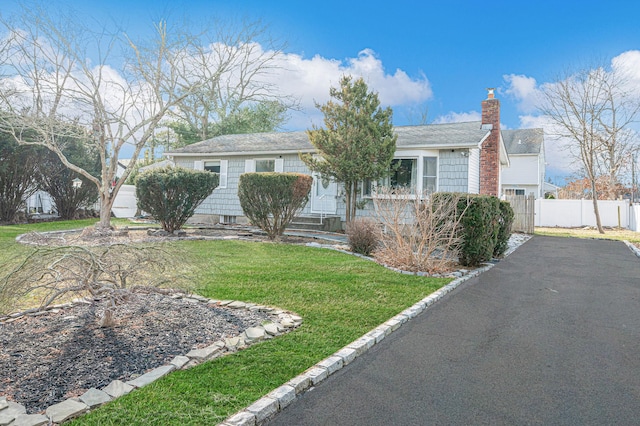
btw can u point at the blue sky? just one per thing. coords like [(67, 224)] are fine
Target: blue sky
[(438, 56)]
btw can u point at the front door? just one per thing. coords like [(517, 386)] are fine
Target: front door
[(324, 194)]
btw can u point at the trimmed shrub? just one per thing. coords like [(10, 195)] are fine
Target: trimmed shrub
[(505, 221), (479, 226), (271, 200), (363, 236), (172, 194)]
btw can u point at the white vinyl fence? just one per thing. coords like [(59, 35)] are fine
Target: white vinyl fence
[(577, 213), (126, 202)]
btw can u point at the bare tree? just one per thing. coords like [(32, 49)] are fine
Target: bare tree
[(234, 73), (418, 234), (108, 272), (114, 89), (593, 110)]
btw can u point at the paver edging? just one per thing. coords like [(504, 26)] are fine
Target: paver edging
[(74, 407), (319, 372), (633, 248)]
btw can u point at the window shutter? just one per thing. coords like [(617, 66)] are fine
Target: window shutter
[(279, 166), (249, 166), (224, 166), (198, 165)]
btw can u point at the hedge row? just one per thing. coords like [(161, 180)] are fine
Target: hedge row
[(485, 226)]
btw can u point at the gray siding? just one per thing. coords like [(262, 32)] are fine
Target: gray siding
[(453, 173), (224, 201)]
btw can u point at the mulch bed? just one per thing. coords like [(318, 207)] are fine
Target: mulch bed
[(49, 358), (154, 235)]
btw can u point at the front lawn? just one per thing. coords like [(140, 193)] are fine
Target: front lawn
[(340, 297)]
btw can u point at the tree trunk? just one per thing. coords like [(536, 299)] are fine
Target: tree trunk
[(596, 211), (106, 204), (348, 201)]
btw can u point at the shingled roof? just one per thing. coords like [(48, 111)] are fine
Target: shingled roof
[(451, 135), (523, 141)]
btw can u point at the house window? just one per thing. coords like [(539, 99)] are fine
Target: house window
[(229, 219), (265, 165), (403, 173), (212, 166), (218, 167), (512, 191), (430, 175)]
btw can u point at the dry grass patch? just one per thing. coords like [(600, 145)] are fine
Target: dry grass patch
[(619, 234)]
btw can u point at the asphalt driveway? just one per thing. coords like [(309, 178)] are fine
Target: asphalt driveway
[(550, 335)]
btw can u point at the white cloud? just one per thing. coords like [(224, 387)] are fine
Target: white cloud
[(309, 81), (523, 89), (458, 117), (627, 65)]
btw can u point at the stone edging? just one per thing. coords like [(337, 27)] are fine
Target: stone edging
[(274, 402), (15, 414), (635, 250)]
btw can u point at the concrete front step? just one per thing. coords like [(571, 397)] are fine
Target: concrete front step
[(314, 223)]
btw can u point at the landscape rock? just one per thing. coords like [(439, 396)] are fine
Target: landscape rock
[(151, 376), (94, 397), (254, 333), (179, 361), (271, 328), (30, 420), (207, 352), (117, 388), (234, 343), (66, 410), (10, 412)]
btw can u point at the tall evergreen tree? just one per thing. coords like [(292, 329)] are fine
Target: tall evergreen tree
[(357, 142), (18, 175)]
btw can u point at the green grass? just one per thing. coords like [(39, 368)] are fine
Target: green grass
[(340, 298)]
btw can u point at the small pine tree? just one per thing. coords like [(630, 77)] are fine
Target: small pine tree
[(357, 142)]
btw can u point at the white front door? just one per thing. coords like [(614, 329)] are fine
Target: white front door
[(324, 194)]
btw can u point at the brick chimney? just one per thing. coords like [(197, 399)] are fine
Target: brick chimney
[(490, 150)]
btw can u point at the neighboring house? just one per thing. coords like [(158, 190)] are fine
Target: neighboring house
[(526, 175), (40, 203), (457, 157)]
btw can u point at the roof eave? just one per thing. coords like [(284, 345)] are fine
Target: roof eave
[(235, 153)]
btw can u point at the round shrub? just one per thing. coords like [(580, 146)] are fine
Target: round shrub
[(172, 194), (271, 200)]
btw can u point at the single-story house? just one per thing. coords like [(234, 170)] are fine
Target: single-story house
[(459, 157)]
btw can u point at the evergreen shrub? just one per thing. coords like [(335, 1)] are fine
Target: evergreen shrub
[(505, 221), (482, 235), (271, 200), (172, 194)]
